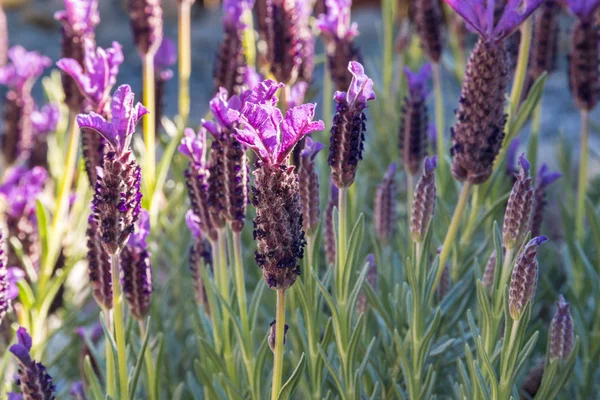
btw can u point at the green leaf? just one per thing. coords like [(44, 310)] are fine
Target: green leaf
[(205, 380), (333, 373), (534, 96), (291, 383), (42, 221), (133, 380), (261, 357), (354, 246), (107, 333), (26, 295), (92, 379), (355, 339), (160, 345)]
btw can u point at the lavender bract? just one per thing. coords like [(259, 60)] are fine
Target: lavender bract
[(136, 269), (524, 279), (385, 214), (479, 129), (561, 332), (349, 124), (309, 186), (34, 380), (423, 204), (275, 195), (117, 197), (518, 210), (414, 122), (339, 33), (78, 21)]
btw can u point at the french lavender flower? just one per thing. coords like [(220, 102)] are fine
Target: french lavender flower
[(524, 278), (19, 75), (428, 19), (165, 57), (309, 186), (544, 43), (43, 122), (338, 34), (479, 129), (230, 65), (272, 330), (307, 42), (423, 204), (99, 267), (543, 180), (518, 209), (490, 269), (329, 228), (78, 19), (414, 122), (561, 332), (200, 257), (33, 378), (372, 279), (20, 189), (146, 19), (117, 198), (584, 56), (276, 193), (349, 124), (136, 269), (193, 146), (384, 213), (283, 39)]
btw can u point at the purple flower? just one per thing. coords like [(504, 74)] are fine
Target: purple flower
[(336, 23), (165, 56), (193, 223), (583, 9), (423, 205), (98, 75), (511, 155), (125, 116), (193, 146), (518, 209), (545, 177), (234, 11), (13, 276), (21, 188), (24, 69), (417, 81), (45, 120), (79, 16), (264, 129), (360, 90), (33, 378), (480, 16)]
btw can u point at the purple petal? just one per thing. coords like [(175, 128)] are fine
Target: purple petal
[(430, 164), (537, 241), (13, 276), (193, 223), (311, 148), (361, 87), (417, 81), (233, 11), (26, 66), (252, 78), (124, 116), (219, 108), (515, 12), (45, 120), (524, 164), (545, 177), (166, 55), (476, 14), (298, 123), (97, 123), (80, 16), (23, 338), (336, 23), (264, 93), (193, 145), (211, 127), (142, 230), (297, 93), (259, 129), (14, 396), (582, 8)]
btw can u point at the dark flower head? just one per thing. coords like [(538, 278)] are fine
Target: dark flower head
[(480, 16), (309, 185), (125, 116), (561, 332), (336, 23), (200, 256), (34, 380), (518, 210), (45, 119), (98, 74), (524, 279), (25, 67), (79, 17), (423, 204), (146, 18), (428, 18), (165, 57), (349, 125), (264, 129), (99, 267), (385, 214), (417, 81)]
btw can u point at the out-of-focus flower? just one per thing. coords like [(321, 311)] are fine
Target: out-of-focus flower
[(77, 391), (428, 19), (423, 204), (43, 121), (117, 199), (349, 124), (543, 179), (524, 279), (34, 380), (4, 285), (136, 269), (24, 68), (146, 18), (309, 186), (329, 226), (561, 332), (490, 269), (414, 122), (165, 57), (518, 209), (200, 257), (385, 214)]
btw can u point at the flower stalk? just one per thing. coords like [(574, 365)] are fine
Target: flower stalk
[(583, 175), (185, 58), (278, 351), (118, 327), (149, 124)]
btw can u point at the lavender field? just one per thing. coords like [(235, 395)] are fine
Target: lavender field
[(299, 199)]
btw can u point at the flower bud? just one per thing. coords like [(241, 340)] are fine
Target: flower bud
[(518, 209), (428, 19), (423, 204), (284, 44), (490, 270), (561, 332), (146, 18), (99, 267), (272, 333), (329, 228), (524, 278), (309, 186), (33, 378), (583, 63)]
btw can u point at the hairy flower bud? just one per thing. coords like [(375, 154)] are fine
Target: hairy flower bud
[(524, 278), (329, 228), (445, 283), (309, 186), (543, 179), (136, 270), (33, 378), (348, 128), (424, 201), (146, 19), (230, 66), (99, 268), (427, 17), (518, 209), (385, 206), (490, 270), (561, 332), (371, 279), (414, 122), (272, 334), (284, 46)]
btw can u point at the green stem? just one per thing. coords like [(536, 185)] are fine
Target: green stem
[(241, 284), (439, 117), (149, 364), (342, 243), (521, 69), (473, 214), (451, 235), (506, 376), (149, 123), (583, 173), (505, 274), (185, 61), (532, 151), (278, 352), (224, 287), (111, 387), (119, 329)]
